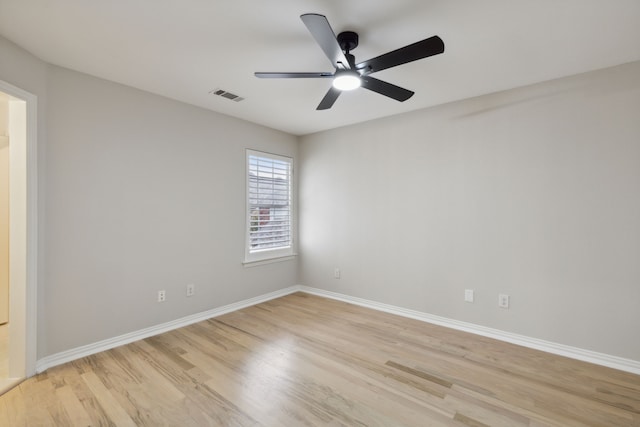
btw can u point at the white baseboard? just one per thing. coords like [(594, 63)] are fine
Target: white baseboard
[(602, 359), (615, 362), (87, 350)]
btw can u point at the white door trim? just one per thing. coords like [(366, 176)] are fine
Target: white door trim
[(23, 303)]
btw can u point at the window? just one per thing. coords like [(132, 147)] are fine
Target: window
[(269, 206)]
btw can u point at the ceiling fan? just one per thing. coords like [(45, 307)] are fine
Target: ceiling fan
[(348, 75)]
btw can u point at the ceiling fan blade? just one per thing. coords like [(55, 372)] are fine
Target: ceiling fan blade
[(386, 89), (320, 29), (422, 49), (270, 75), (329, 99)]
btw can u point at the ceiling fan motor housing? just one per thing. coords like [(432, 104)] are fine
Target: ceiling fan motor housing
[(348, 40)]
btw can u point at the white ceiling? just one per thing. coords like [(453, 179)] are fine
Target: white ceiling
[(182, 49)]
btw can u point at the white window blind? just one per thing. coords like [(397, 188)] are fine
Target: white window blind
[(269, 213)]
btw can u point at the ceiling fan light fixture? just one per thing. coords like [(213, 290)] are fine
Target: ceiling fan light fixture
[(347, 80)]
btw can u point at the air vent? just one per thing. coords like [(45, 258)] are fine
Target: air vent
[(228, 95)]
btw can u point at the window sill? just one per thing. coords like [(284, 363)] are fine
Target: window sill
[(248, 264)]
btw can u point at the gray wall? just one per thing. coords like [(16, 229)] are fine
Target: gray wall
[(533, 192), (143, 194), (138, 193)]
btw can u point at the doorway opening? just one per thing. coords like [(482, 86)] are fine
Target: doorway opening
[(18, 237)]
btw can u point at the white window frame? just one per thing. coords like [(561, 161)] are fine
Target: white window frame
[(262, 256)]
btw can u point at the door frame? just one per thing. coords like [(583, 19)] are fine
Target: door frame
[(23, 283)]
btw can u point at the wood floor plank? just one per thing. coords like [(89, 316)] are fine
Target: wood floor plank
[(303, 360), (114, 412), (67, 399)]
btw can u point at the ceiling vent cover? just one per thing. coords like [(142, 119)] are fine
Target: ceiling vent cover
[(228, 95)]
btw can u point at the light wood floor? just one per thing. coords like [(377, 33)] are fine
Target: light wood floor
[(303, 360)]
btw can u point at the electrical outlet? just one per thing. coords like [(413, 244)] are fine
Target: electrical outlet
[(503, 300), (162, 296), (336, 273), (468, 295), (191, 289)]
